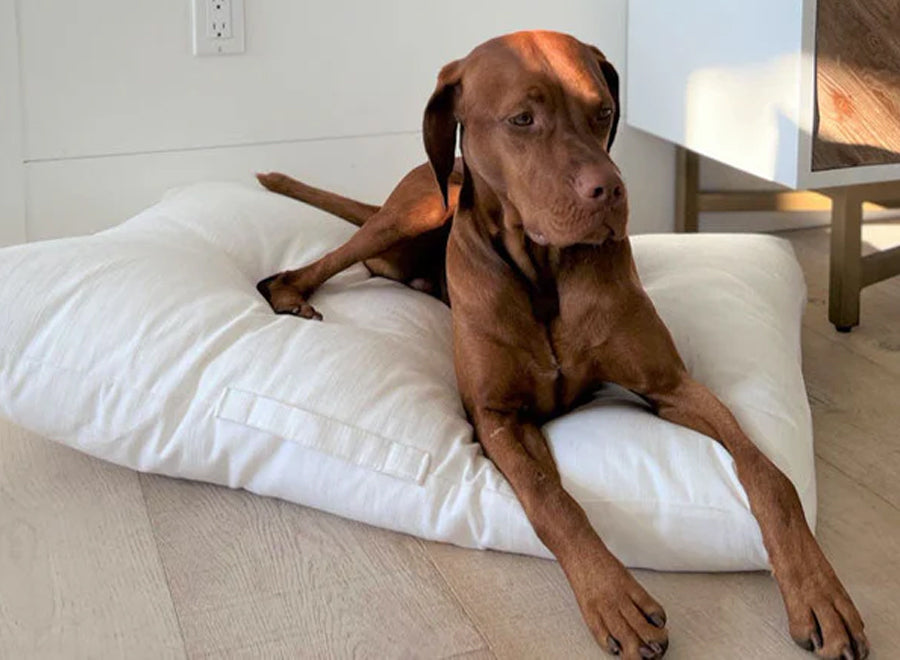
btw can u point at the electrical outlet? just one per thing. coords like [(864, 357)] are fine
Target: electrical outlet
[(218, 19), (218, 26)]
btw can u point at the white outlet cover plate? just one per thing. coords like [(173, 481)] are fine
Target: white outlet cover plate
[(203, 42)]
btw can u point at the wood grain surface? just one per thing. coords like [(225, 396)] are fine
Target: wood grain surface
[(80, 576), (857, 83)]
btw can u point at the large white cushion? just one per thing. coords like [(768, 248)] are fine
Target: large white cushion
[(147, 345)]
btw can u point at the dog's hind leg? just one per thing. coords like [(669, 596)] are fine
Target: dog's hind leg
[(414, 208)]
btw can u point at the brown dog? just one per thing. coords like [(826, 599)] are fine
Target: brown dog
[(546, 305)]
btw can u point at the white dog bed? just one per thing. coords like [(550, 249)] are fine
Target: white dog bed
[(148, 345)]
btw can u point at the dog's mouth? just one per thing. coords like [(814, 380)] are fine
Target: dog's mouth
[(600, 236), (596, 237), (616, 234), (593, 230)]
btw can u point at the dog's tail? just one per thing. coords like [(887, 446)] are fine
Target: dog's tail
[(343, 207)]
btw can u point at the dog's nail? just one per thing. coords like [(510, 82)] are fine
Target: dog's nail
[(613, 644), (805, 644), (848, 654), (647, 652), (862, 648), (657, 619), (816, 640), (263, 286), (656, 646)]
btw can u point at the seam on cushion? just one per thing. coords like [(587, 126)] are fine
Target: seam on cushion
[(137, 409), (597, 500), (657, 502), (487, 489), (323, 433), (192, 230), (648, 514), (399, 464), (82, 372), (398, 460)]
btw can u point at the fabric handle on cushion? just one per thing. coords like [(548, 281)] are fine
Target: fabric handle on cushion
[(325, 434)]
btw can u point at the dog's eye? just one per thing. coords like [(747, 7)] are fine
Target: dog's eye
[(605, 114), (522, 119)]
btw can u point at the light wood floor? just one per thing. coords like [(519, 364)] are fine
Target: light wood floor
[(97, 561)]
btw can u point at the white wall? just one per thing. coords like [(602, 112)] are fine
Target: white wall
[(12, 175), (115, 109)]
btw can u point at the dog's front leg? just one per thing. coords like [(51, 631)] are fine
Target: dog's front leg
[(288, 292), (820, 613), (623, 617)]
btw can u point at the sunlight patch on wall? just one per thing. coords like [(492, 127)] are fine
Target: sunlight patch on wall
[(762, 99)]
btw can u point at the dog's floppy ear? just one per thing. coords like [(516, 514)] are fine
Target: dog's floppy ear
[(440, 123), (611, 76)]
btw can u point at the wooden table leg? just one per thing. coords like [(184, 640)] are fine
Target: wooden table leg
[(687, 190), (846, 259), (850, 270)]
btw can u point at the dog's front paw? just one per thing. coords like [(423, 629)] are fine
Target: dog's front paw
[(821, 615), (625, 620), (284, 298)]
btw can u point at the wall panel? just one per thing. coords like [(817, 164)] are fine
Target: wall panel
[(116, 109), (12, 175)]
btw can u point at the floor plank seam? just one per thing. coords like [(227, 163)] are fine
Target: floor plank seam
[(859, 483), (469, 615), (463, 654), (827, 335), (162, 564), (779, 631)]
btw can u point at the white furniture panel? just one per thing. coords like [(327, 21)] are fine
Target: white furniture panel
[(734, 81)]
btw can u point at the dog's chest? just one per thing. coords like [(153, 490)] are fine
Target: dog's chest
[(574, 329), (564, 369)]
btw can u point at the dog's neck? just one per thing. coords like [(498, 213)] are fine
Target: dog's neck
[(499, 225), (499, 220)]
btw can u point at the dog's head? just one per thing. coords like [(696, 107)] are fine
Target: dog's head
[(538, 112)]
